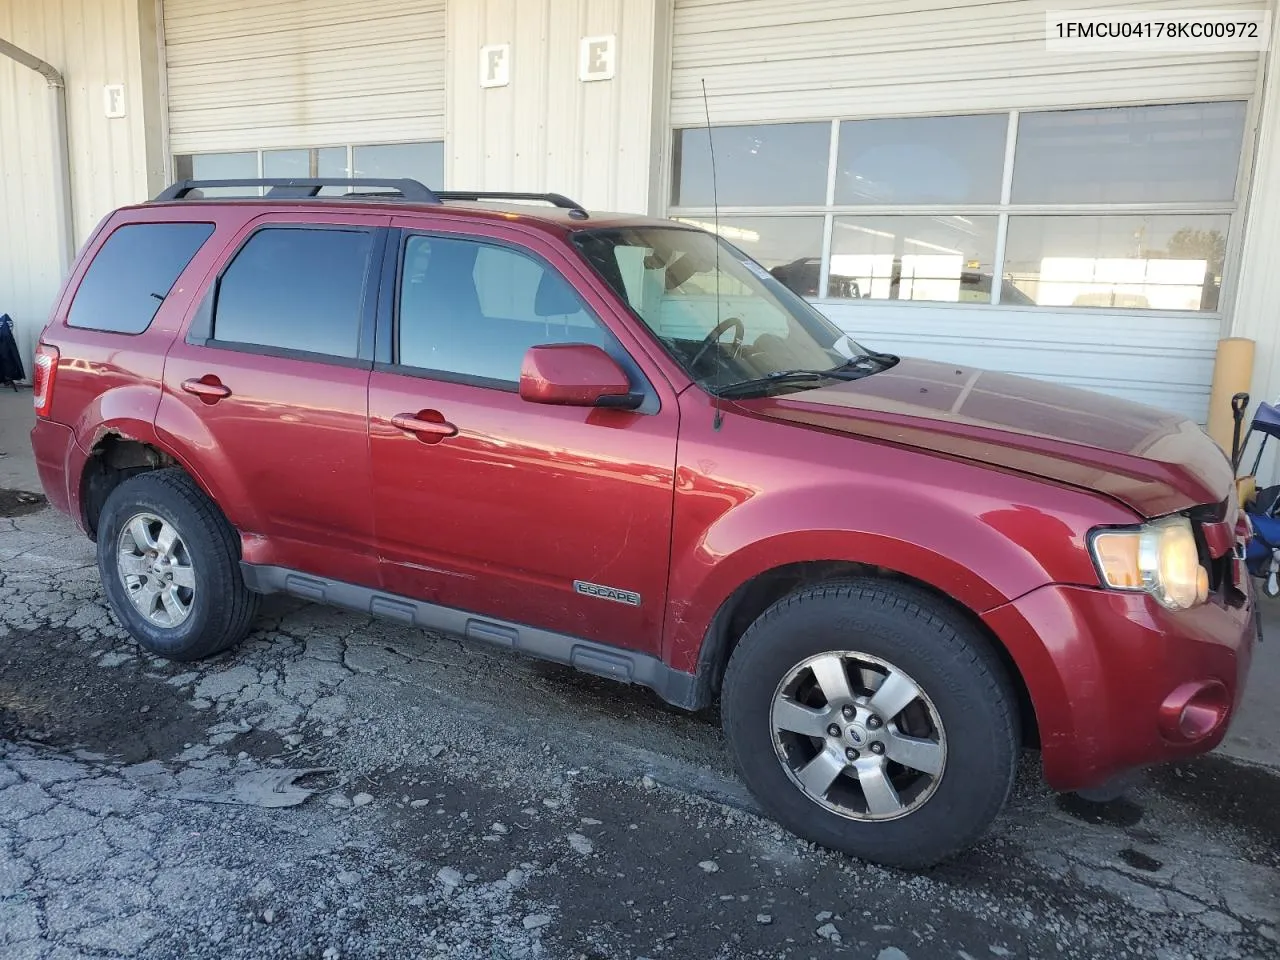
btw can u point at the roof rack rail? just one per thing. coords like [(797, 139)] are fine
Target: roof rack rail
[(305, 188), (576, 210)]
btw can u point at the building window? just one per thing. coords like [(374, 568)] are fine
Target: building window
[(1116, 208), (921, 160), (423, 161), (913, 258), (768, 165), (1157, 262)]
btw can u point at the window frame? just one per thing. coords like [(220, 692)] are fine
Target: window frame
[(200, 332), (387, 336), (1236, 209), (99, 247)]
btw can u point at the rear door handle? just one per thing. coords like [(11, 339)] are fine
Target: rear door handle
[(429, 425), (208, 388)]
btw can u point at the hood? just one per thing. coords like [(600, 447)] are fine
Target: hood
[(1153, 461)]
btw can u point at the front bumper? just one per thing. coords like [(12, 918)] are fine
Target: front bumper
[(1118, 681)]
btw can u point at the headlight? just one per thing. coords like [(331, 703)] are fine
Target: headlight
[(1159, 558)]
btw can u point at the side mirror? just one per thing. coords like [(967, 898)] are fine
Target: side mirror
[(575, 375)]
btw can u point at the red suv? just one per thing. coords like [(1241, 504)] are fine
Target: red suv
[(620, 443)]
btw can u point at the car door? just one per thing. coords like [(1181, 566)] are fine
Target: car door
[(266, 391), (556, 517)]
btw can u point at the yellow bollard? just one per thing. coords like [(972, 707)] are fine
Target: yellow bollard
[(1232, 374)]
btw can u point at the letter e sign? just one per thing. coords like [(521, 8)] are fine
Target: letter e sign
[(495, 65), (595, 58)]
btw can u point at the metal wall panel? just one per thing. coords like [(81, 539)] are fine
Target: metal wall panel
[(547, 130), (816, 59), (93, 43), (255, 74)]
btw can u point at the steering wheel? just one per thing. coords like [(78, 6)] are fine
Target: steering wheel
[(739, 331)]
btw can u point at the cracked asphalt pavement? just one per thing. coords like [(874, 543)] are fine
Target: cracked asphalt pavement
[(343, 787)]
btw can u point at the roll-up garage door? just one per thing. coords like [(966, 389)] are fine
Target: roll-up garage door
[(270, 74)]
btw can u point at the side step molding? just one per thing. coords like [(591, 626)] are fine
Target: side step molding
[(674, 686)]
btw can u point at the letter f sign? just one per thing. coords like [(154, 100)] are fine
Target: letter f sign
[(495, 65)]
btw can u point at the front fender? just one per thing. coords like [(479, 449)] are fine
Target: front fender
[(979, 535)]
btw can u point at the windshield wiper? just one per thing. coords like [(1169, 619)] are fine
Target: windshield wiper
[(744, 387), (884, 360)]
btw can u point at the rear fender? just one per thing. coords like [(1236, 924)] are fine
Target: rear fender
[(183, 434)]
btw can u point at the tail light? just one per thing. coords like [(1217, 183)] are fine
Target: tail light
[(46, 368)]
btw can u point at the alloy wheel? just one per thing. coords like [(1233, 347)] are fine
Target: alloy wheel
[(155, 567), (858, 736)]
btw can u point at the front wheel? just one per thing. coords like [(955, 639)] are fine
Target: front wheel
[(869, 718)]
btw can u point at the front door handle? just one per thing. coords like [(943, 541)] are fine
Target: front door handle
[(208, 388), (429, 425)]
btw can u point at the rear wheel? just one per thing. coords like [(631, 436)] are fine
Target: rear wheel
[(869, 718), (170, 567)]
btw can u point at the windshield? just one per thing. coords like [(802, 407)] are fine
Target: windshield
[(754, 329)]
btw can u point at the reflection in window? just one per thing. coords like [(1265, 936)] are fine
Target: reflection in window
[(788, 247), (763, 165), (475, 309), (1171, 262), (944, 258), (295, 289), (1179, 153), (132, 273), (921, 160)]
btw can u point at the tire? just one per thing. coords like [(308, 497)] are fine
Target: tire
[(965, 724), (214, 614)]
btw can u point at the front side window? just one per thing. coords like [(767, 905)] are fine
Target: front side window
[(132, 273), (721, 315), (296, 289), (474, 309)]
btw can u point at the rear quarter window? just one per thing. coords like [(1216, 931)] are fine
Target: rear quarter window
[(132, 273)]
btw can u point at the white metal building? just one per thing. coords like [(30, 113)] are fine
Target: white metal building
[(926, 171)]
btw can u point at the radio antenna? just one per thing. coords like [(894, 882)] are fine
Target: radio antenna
[(715, 209)]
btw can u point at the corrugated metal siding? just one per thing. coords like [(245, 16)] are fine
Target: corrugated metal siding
[(816, 59), (252, 74), (93, 43), (547, 130)]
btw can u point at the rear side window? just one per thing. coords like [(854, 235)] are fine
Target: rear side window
[(296, 289), (132, 273)]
